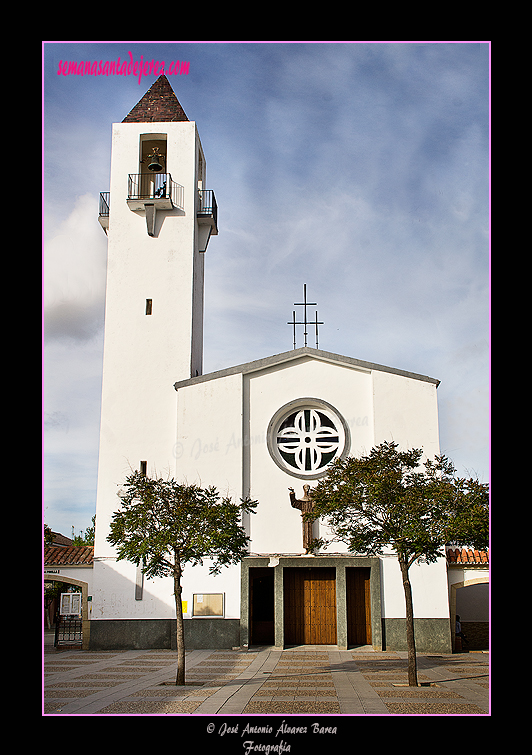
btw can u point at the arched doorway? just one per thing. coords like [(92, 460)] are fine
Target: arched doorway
[(457, 609), (84, 589)]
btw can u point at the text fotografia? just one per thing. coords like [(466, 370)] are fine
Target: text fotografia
[(122, 67), (250, 746)]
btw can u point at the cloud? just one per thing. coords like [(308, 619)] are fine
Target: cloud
[(74, 274)]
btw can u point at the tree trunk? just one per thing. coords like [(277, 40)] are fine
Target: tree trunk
[(410, 639), (180, 632)]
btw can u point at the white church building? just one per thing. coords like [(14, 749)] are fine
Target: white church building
[(253, 430)]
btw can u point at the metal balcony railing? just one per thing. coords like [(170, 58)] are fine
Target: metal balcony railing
[(152, 186), (105, 200), (207, 207)]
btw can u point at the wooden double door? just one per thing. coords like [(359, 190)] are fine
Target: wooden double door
[(310, 614), (310, 606)]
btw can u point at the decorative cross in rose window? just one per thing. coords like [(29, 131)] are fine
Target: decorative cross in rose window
[(308, 440)]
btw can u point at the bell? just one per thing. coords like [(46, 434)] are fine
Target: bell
[(155, 161)]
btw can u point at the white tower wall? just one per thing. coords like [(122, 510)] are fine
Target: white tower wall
[(146, 350)]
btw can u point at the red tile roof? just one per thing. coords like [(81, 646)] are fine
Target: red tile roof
[(80, 555), (59, 539), (467, 556)]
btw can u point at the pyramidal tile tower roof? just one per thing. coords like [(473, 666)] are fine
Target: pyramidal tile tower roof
[(159, 104)]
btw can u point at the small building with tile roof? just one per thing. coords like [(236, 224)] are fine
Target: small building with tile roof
[(468, 576), (71, 565), (71, 561)]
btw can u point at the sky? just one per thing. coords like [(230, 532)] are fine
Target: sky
[(360, 169)]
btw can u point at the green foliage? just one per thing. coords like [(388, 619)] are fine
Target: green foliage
[(164, 525), (387, 499), (48, 536), (88, 537)]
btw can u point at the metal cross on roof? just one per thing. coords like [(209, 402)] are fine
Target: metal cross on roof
[(305, 321)]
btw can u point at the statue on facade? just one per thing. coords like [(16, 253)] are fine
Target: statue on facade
[(306, 506)]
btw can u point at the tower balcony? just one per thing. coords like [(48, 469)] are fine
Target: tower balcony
[(207, 213), (103, 211), (155, 189), (152, 192)]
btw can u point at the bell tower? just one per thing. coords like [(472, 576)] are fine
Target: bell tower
[(159, 218)]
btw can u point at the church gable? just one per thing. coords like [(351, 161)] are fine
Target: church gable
[(277, 424), (286, 359)]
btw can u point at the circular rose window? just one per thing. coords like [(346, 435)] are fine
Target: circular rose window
[(305, 436)]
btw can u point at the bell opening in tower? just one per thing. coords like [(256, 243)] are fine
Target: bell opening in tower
[(153, 169)]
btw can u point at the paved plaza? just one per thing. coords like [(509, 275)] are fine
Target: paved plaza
[(299, 680)]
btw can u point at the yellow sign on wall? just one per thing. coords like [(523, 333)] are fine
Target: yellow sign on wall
[(184, 606)]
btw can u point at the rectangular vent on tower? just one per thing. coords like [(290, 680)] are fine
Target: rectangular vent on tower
[(148, 306)]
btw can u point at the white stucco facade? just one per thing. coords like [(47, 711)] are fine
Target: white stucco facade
[(222, 428)]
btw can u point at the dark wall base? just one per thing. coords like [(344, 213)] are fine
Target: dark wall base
[(477, 633), (203, 634), (155, 634), (431, 635)]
